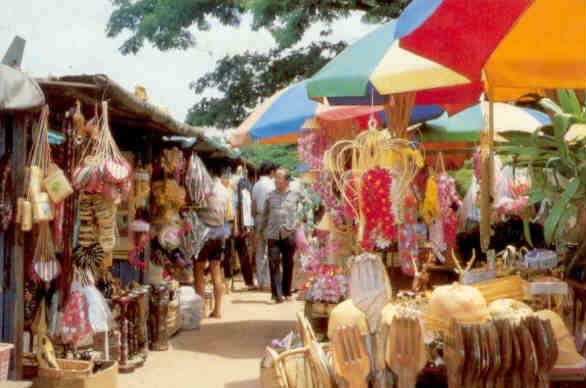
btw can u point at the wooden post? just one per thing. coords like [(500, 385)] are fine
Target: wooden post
[(149, 159), (487, 181), (19, 154), (64, 281)]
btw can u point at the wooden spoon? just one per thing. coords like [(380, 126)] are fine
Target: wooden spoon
[(454, 354), (351, 357)]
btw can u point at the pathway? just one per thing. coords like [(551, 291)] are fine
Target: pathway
[(222, 353)]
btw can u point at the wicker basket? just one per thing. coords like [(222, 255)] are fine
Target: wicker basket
[(323, 309), (511, 287), (292, 365), (68, 369), (4, 360), (105, 377)]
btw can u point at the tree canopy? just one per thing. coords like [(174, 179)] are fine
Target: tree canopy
[(284, 156), (244, 79)]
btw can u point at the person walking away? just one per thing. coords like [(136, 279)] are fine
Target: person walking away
[(243, 224), (227, 262), (260, 191), (213, 216), (279, 224)]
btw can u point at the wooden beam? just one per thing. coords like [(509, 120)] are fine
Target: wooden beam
[(19, 154), (77, 85)]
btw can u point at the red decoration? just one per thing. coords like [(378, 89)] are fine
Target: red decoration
[(376, 208)]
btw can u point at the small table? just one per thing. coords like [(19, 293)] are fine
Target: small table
[(17, 384)]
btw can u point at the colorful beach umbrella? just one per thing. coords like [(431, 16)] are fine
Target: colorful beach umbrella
[(457, 136), (354, 76), (521, 45), (466, 126), (286, 114)]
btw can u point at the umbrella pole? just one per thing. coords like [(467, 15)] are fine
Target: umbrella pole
[(398, 112), (487, 181)]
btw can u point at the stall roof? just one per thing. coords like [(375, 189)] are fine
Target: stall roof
[(127, 110)]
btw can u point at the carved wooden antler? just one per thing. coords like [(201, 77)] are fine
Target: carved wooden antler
[(463, 271), (421, 278)]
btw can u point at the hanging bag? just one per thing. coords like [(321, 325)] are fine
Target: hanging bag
[(56, 184)]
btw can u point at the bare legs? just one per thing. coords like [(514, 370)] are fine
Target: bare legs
[(218, 288), (216, 270)]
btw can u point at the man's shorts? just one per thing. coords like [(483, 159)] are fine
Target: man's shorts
[(212, 250)]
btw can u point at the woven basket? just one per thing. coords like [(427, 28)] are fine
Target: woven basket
[(4, 360), (292, 365), (322, 309), (69, 368), (509, 287)]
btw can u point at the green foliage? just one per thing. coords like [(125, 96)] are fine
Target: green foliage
[(556, 162), (245, 80), (284, 156), (463, 178), (167, 23)]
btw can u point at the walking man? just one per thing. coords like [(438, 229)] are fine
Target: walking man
[(279, 224), (260, 191)]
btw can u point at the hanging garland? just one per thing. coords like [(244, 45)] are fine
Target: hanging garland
[(449, 206), (408, 253), (311, 148), (376, 207), (430, 209)]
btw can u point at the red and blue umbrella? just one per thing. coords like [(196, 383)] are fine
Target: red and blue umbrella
[(286, 114)]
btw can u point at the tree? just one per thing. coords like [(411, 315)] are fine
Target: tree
[(166, 23), (284, 156), (242, 79)]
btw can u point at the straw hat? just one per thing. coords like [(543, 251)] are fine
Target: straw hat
[(510, 309), (567, 353), (463, 303)]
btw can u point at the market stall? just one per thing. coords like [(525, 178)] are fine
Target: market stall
[(20, 100), (506, 316), (99, 219)]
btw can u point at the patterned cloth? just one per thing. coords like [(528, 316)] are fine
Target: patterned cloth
[(278, 220), (214, 213)]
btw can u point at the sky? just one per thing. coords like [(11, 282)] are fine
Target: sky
[(66, 37)]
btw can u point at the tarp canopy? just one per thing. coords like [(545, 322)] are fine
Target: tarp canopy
[(18, 91)]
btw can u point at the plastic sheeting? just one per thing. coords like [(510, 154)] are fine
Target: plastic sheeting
[(18, 91)]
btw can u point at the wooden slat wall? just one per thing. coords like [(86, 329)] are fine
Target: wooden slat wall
[(5, 295)]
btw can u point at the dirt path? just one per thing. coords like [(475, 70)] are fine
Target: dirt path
[(222, 353)]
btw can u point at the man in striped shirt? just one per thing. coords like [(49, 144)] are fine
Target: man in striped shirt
[(279, 223)]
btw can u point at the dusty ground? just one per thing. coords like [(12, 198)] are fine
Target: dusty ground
[(222, 353)]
